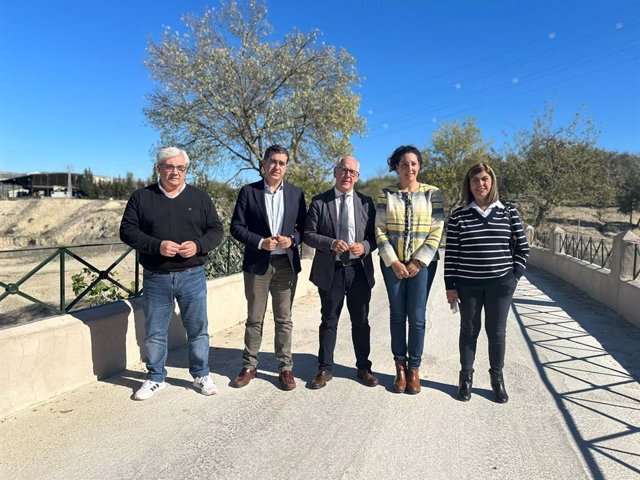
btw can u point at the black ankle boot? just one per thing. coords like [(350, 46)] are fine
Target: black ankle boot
[(464, 385), (497, 385)]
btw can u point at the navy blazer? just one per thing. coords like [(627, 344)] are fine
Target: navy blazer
[(250, 224), (321, 229)]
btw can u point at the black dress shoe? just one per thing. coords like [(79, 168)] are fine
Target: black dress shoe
[(464, 385), (368, 378), (497, 385), (321, 379)]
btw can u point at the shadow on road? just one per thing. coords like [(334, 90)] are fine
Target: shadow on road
[(589, 359)]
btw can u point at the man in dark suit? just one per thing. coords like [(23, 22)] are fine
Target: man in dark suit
[(340, 225), (269, 219)]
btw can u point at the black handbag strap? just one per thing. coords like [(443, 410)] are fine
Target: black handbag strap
[(513, 239)]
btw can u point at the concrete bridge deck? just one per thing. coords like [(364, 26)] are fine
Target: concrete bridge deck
[(572, 374)]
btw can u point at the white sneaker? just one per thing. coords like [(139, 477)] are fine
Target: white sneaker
[(206, 385), (148, 389)]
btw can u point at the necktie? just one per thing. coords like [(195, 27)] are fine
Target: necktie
[(343, 233)]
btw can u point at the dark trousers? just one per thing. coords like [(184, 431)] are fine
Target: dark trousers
[(351, 282), (495, 297)]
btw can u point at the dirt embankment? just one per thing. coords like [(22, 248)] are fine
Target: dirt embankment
[(58, 221)]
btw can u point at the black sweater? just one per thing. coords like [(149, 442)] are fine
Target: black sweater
[(477, 249), (151, 217)]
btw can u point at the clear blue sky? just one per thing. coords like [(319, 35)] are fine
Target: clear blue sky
[(72, 81)]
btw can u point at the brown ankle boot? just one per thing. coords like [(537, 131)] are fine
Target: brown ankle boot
[(400, 382), (413, 381)]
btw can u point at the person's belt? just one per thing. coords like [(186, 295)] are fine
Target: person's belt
[(278, 255), (350, 263), (167, 272)]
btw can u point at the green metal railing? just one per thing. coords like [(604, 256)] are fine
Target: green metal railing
[(223, 261), (226, 259), (592, 250), (60, 255)]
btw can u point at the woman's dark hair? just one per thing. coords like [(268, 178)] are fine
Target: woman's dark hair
[(397, 154), (467, 196), (275, 149)]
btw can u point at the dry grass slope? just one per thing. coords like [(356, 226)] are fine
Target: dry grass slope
[(58, 221)]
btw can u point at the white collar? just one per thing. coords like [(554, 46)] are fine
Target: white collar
[(339, 193), (271, 190), (473, 204), (172, 194)]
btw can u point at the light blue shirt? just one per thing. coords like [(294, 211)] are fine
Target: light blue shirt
[(274, 203)]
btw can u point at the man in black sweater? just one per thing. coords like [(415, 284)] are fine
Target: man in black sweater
[(173, 226)]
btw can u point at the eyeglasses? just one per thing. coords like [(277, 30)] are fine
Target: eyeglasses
[(347, 171), (166, 167)]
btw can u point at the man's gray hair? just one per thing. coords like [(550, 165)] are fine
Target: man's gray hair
[(341, 160), (170, 152)]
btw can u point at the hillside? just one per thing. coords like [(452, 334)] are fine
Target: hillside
[(58, 221)]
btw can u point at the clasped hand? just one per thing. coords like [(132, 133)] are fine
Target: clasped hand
[(409, 270), (340, 247), (271, 243), (171, 249)]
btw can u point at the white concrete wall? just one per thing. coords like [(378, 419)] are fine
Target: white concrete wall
[(52, 356), (614, 287)]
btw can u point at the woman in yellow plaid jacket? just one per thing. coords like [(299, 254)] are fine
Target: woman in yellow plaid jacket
[(409, 224)]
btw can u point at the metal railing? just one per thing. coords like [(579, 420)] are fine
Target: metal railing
[(226, 259), (83, 276), (636, 261), (596, 251), (541, 238), (65, 280)]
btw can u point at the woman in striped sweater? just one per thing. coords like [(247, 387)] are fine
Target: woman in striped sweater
[(409, 224), (485, 256)]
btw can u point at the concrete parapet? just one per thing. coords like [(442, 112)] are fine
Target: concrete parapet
[(58, 354), (614, 287)]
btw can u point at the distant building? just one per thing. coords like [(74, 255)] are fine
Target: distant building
[(47, 184)]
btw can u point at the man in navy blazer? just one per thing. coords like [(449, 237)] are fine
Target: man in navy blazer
[(269, 219), (342, 266)]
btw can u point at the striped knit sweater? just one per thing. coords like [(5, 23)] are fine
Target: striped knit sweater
[(409, 225), (477, 249)]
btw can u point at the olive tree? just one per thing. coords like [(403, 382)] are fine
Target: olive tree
[(627, 195), (553, 164), (455, 147), (226, 90)]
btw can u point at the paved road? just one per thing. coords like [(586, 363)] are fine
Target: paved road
[(574, 410)]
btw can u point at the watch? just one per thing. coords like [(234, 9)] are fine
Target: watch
[(293, 241)]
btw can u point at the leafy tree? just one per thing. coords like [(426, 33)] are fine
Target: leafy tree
[(312, 177), (627, 196), (226, 91), (224, 196), (373, 186), (552, 165), (88, 188), (454, 148)]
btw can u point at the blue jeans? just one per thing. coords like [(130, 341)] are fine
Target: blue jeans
[(189, 288), (408, 303)]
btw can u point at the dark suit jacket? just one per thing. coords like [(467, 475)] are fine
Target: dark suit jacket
[(250, 224), (321, 229)]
